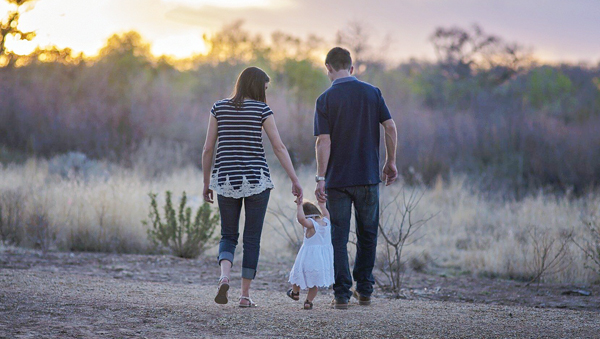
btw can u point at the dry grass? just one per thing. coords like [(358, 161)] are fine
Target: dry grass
[(469, 233)]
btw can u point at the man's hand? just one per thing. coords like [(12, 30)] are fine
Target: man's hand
[(320, 192), (390, 173)]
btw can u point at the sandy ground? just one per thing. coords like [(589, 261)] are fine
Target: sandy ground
[(100, 296)]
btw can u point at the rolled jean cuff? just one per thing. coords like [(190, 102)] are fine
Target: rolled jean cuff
[(226, 256), (248, 273)]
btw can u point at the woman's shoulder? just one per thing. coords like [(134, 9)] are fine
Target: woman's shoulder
[(223, 101), (249, 104)]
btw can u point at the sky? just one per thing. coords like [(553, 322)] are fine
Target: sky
[(555, 30)]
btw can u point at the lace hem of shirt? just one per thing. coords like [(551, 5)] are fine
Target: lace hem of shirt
[(246, 189)]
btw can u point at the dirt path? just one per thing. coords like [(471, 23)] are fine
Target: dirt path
[(94, 295), (58, 305)]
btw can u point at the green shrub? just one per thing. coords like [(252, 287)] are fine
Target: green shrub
[(185, 238)]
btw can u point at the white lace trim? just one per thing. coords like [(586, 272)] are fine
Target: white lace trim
[(311, 278), (246, 189)]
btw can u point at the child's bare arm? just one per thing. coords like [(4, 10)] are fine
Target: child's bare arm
[(300, 215), (323, 208)]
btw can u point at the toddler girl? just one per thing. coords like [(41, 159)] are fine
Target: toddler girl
[(313, 267)]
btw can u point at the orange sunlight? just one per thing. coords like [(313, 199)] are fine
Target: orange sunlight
[(85, 26)]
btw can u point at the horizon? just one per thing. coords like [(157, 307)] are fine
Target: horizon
[(175, 27)]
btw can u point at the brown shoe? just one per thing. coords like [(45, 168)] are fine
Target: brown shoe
[(362, 300), (339, 303)]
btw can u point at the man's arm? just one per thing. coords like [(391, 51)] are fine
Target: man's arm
[(323, 150), (390, 172)]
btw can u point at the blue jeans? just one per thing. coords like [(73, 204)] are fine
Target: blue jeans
[(366, 210), (255, 207)]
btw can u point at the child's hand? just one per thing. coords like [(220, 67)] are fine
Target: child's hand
[(298, 201)]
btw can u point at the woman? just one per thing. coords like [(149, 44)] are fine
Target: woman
[(241, 174)]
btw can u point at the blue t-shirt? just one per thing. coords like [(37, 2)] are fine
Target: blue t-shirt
[(350, 111)]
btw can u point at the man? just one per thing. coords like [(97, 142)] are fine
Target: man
[(347, 119)]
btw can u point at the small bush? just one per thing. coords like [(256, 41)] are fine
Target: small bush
[(177, 232), (396, 227), (550, 252), (419, 263), (591, 244)]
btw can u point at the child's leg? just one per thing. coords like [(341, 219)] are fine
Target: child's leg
[(295, 288), (312, 293)]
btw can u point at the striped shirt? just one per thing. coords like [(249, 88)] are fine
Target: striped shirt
[(240, 168)]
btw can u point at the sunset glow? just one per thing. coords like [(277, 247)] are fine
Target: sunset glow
[(175, 27), (224, 3), (179, 46)]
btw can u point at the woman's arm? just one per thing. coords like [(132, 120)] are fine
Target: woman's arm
[(323, 208), (300, 215), (282, 154), (207, 157)]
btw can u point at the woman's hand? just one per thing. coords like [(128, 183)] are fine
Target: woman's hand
[(297, 189), (207, 194)]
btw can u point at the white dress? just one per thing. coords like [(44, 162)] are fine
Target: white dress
[(314, 262)]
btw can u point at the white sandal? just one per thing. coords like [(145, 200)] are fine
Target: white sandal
[(221, 297), (250, 302)]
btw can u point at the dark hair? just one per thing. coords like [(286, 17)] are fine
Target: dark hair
[(250, 85), (310, 208), (339, 58)]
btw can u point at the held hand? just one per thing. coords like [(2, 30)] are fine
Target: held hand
[(207, 194), (298, 201), (390, 173), (297, 190), (320, 192)]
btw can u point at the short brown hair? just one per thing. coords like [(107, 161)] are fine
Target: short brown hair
[(339, 58), (310, 209)]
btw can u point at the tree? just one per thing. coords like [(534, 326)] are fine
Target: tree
[(358, 37), (10, 27), (464, 52), (233, 44)]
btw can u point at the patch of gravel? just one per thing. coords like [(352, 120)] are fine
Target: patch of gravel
[(40, 304)]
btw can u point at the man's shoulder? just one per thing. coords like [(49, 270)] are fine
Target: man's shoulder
[(367, 86), (325, 93), (357, 85)]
